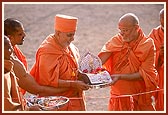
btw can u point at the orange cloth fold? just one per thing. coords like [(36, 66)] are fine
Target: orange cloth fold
[(53, 63), (12, 97), (137, 56), (157, 34)]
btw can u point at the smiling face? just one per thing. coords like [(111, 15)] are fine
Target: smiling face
[(64, 38)]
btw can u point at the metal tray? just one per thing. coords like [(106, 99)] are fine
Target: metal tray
[(97, 86), (48, 103)]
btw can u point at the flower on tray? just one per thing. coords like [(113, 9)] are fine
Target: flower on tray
[(94, 71)]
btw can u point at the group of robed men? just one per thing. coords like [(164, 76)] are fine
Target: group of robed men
[(135, 62)]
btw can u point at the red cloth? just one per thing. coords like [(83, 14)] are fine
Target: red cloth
[(137, 56), (53, 63)]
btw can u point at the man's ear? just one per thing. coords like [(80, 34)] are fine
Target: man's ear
[(137, 27), (57, 32), (12, 39)]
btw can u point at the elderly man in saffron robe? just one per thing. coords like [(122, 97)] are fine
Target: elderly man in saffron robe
[(57, 63), (129, 57), (157, 34)]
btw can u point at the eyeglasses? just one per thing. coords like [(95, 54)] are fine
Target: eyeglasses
[(70, 34), (125, 30)]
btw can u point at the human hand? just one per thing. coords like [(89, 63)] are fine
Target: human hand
[(83, 77), (80, 85), (8, 65), (34, 108), (115, 78)]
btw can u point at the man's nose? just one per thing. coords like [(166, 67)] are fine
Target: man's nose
[(72, 38), (121, 33), (24, 34)]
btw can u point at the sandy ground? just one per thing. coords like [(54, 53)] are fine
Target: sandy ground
[(97, 23)]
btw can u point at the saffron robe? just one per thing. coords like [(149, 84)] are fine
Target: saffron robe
[(136, 56), (12, 96), (54, 63), (157, 34), (22, 58)]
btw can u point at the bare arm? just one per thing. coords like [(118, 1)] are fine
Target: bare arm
[(80, 85), (130, 76), (8, 65), (104, 56), (27, 82)]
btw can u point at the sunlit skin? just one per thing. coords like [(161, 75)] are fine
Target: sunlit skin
[(17, 38), (162, 18), (64, 38), (7, 55), (7, 49), (128, 29)]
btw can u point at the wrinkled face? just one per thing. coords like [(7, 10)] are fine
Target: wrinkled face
[(7, 49), (128, 31), (18, 37), (65, 38)]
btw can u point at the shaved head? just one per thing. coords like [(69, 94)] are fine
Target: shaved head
[(161, 16), (11, 26), (129, 18), (7, 48), (161, 12), (129, 25)]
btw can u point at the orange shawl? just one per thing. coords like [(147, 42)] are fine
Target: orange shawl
[(157, 34), (137, 56), (53, 63)]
